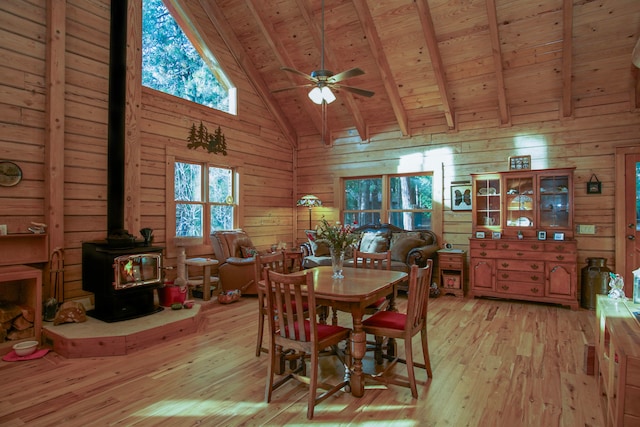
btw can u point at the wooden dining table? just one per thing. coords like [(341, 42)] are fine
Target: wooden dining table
[(359, 288)]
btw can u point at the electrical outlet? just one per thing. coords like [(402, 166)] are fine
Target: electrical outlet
[(586, 229)]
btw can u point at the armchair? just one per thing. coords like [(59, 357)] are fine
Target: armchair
[(236, 271)]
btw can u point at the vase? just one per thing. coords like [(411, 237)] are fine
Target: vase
[(337, 261)]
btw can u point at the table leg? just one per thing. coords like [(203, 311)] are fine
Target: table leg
[(206, 283), (358, 351)]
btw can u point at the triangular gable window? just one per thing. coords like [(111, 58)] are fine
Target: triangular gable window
[(178, 62)]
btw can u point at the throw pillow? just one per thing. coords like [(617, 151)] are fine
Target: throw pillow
[(400, 249), (317, 248), (374, 242), (248, 251)]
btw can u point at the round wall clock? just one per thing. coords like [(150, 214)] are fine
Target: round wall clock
[(10, 174)]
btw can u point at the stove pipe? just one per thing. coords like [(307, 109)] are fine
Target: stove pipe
[(116, 125)]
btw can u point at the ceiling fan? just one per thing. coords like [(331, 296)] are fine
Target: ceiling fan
[(322, 80)]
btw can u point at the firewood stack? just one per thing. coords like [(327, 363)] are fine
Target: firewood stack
[(16, 321)]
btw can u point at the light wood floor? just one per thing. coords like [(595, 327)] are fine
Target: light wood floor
[(495, 363)]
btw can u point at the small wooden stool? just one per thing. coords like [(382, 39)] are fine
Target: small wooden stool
[(206, 279)]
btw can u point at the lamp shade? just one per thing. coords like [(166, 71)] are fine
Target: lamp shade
[(319, 95), (309, 201)]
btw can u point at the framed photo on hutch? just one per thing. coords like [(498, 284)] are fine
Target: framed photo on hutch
[(558, 236), (519, 162), (542, 235), (479, 234)]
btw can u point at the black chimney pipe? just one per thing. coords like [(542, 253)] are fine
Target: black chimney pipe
[(116, 126)]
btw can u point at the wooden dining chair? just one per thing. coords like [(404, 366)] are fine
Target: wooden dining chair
[(391, 324), (298, 330), (275, 262), (376, 261)]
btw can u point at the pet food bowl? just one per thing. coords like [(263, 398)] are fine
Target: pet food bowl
[(25, 348)]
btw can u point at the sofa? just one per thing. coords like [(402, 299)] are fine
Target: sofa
[(407, 247), (236, 260)]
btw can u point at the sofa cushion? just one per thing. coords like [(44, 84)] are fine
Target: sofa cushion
[(374, 242), (401, 247), (399, 236)]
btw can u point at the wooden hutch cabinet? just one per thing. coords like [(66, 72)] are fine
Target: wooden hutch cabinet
[(522, 245)]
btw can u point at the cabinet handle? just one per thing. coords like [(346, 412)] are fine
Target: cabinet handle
[(560, 257), (534, 290), (505, 275), (519, 253), (534, 247), (505, 246), (505, 264), (560, 248), (483, 245), (483, 253), (505, 287), (535, 278), (535, 266)]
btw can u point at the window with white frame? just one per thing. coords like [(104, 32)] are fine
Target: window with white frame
[(405, 201), (205, 198)]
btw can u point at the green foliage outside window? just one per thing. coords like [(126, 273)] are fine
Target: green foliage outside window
[(172, 65)]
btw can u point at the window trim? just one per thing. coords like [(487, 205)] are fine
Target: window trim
[(385, 210), (189, 156)]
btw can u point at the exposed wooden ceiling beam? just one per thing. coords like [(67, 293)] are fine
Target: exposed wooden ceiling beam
[(497, 61), (218, 20), (330, 62), (436, 60), (384, 69), (567, 58), (259, 12)]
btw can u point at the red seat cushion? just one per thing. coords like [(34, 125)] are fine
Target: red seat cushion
[(323, 330), (386, 319)]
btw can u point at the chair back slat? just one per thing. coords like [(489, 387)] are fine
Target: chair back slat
[(419, 283), (285, 295), (376, 261)]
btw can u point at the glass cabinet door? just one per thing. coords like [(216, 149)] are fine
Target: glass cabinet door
[(520, 201), (487, 203), (554, 201)]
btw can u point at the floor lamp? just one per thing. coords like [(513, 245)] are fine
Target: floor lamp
[(309, 201)]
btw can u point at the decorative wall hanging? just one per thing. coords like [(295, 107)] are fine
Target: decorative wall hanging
[(460, 197), (594, 186), (212, 142), (10, 174)]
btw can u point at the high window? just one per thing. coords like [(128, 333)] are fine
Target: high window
[(204, 198), (402, 200), (175, 60)]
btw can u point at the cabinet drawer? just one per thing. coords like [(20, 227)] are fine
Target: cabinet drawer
[(450, 262), (516, 265), (520, 246), (559, 257), (536, 277), (562, 247), (518, 288), (482, 244)]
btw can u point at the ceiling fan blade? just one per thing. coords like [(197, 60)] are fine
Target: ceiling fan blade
[(356, 90), (345, 75), (300, 73), (292, 87)]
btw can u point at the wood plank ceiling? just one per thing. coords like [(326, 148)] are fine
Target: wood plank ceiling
[(442, 65)]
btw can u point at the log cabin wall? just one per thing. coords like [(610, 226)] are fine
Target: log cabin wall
[(65, 178), (157, 128)]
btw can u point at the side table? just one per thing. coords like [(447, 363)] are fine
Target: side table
[(206, 279), (451, 265)]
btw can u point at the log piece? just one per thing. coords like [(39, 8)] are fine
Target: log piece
[(20, 323), (70, 311)]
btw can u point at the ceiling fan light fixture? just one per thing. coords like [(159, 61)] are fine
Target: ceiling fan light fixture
[(316, 95), (327, 95)]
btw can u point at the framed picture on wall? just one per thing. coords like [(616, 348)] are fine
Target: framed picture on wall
[(461, 197), (519, 162)]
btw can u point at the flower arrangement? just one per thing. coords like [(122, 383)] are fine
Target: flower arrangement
[(339, 237)]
